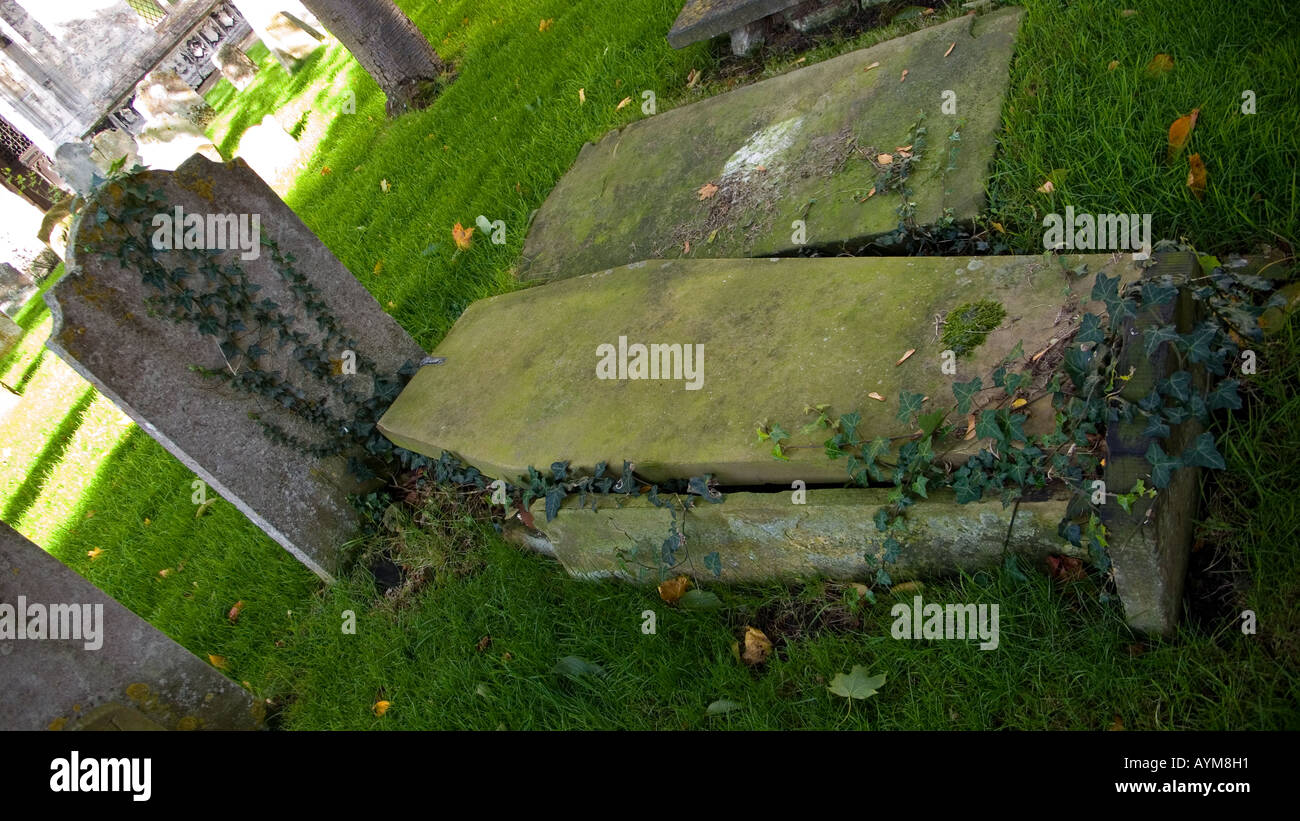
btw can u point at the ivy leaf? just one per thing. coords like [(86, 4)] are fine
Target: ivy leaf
[(1224, 395), (1106, 289), (1178, 386), (1200, 345), (1156, 428), (849, 425), (881, 519), (908, 404), (1076, 364), (929, 422), (1155, 336), (964, 392), (1012, 568), (918, 486), (882, 578), (1090, 329), (892, 548), (987, 426), (699, 600), (554, 496), (1162, 465), (857, 684), (1157, 293), (1202, 453), (966, 488), (713, 563)]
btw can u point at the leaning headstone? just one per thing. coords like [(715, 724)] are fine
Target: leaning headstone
[(75, 163), (749, 21), (73, 658), (278, 359), (11, 333), (16, 288), (173, 118), (235, 65), (820, 158), (282, 27)]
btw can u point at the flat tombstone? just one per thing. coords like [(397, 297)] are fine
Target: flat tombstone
[(756, 339), (812, 159), (121, 673), (287, 474)]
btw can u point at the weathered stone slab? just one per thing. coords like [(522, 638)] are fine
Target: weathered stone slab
[(126, 676), (104, 328), (520, 385), (802, 146), (702, 19), (765, 536)]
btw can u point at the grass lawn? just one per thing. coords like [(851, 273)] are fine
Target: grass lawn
[(76, 477)]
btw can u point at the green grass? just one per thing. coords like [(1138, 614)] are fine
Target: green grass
[(77, 478)]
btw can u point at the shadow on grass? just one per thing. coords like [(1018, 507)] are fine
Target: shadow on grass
[(269, 95), (50, 455)]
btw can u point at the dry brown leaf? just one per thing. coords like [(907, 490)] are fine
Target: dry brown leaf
[(1196, 176), (927, 12), (876, 396), (483, 643), (1180, 131), (671, 590), (904, 77), (218, 661), (707, 190), (950, 48), (524, 515), (1114, 64), (884, 159), (326, 170), (692, 78), (1046, 188), (757, 647), (873, 65), (904, 357), (622, 103), (384, 186), (686, 249), (970, 427), (1128, 12), (1160, 64), (233, 615), (1117, 725), (1041, 353), (462, 236), (165, 572)]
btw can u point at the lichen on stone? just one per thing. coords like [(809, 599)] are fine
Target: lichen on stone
[(966, 326)]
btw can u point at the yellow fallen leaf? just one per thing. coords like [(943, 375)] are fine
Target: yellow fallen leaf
[(1159, 64), (1019, 403), (1046, 188), (757, 647), (950, 48), (582, 96), (379, 267), (326, 170), (997, 226), (904, 357), (671, 590), (884, 159), (94, 554), (384, 186), (623, 102), (876, 396), (462, 236), (146, 520), (1196, 176), (543, 26), (217, 661), (1114, 64), (1180, 131), (707, 190), (381, 707)]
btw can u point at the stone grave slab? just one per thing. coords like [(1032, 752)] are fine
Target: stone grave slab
[(126, 676), (520, 384), (105, 329), (760, 537), (806, 145)]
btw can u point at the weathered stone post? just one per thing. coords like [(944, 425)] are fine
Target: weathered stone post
[(71, 657), (261, 366)]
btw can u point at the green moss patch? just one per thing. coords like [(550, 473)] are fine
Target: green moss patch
[(966, 326)]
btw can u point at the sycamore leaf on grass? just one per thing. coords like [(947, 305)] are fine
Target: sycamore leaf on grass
[(757, 647), (1196, 176), (1160, 64), (857, 684), (1181, 131), (462, 236), (671, 590)]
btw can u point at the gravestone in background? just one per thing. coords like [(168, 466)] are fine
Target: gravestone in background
[(235, 65), (136, 679), (174, 117), (105, 330), (16, 287), (749, 21), (731, 176)]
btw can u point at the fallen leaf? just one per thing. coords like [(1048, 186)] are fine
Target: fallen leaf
[(970, 427), (146, 520), (384, 186), (217, 661), (94, 554), (233, 615), (462, 236), (524, 515), (757, 647), (1159, 64), (671, 590), (623, 102), (884, 159), (1040, 354), (577, 668), (876, 396), (165, 572), (1180, 131), (381, 707), (873, 65), (1196, 176), (1114, 64), (707, 190), (1128, 12), (997, 226), (861, 589), (700, 600), (1065, 568), (857, 684), (904, 357), (1046, 188), (582, 96), (904, 77), (721, 706), (762, 169), (483, 643), (205, 507), (950, 48), (379, 267), (1116, 725), (545, 24), (872, 192), (326, 170), (906, 587), (692, 78), (800, 60), (1019, 403), (686, 248), (927, 12)]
